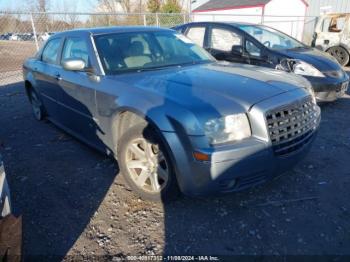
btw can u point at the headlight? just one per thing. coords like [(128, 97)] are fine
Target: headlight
[(227, 129), (305, 69)]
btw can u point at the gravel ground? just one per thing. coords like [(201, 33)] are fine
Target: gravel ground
[(74, 203)]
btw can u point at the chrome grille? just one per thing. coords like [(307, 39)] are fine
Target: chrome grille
[(292, 126)]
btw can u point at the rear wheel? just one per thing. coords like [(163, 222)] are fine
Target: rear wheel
[(145, 165), (37, 106), (340, 54)]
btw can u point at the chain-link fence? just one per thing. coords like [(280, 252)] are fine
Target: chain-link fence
[(22, 33)]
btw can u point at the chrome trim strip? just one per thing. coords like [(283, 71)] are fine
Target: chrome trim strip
[(97, 55)]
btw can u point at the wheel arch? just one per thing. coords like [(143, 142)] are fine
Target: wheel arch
[(29, 83), (28, 86), (127, 117)]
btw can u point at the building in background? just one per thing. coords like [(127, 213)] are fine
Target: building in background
[(285, 15)]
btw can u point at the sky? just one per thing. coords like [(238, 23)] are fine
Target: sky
[(55, 5)]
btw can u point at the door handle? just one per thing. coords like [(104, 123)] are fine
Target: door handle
[(58, 77)]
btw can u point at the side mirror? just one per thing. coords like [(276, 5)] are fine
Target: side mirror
[(237, 50), (73, 64)]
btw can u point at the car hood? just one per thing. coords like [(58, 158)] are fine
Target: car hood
[(222, 86), (319, 59)]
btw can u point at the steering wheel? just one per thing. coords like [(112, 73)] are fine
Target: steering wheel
[(267, 43)]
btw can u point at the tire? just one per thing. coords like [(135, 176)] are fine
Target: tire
[(145, 164), (37, 106), (5, 203), (340, 54)]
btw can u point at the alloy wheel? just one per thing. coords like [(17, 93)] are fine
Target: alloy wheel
[(147, 166)]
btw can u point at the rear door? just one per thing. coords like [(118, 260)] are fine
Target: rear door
[(46, 75)]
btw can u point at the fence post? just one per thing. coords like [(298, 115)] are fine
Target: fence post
[(144, 20), (157, 19), (184, 18), (34, 32)]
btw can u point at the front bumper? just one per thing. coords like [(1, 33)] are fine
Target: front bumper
[(329, 89), (252, 164), (236, 166)]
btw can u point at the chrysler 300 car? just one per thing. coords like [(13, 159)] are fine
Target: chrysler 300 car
[(172, 116)]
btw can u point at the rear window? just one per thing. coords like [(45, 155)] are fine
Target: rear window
[(50, 51)]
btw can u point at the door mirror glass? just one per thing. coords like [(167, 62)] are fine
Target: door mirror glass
[(73, 64), (237, 50)]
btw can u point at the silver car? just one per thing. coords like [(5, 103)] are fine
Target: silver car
[(173, 117)]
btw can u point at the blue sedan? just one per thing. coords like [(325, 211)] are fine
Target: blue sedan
[(174, 118)]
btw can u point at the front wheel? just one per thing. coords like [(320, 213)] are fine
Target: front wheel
[(340, 54), (145, 165)]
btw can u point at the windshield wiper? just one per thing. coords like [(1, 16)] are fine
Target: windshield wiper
[(155, 68), (172, 65)]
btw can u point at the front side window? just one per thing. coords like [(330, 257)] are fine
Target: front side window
[(75, 48), (270, 37), (122, 52), (50, 51), (223, 40), (196, 34)]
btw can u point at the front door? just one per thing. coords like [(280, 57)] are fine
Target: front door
[(77, 94), (221, 41)]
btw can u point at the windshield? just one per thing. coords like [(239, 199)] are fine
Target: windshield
[(271, 38), (123, 52)]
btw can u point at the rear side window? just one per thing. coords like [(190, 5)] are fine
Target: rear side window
[(196, 34), (51, 50), (76, 48), (223, 40)]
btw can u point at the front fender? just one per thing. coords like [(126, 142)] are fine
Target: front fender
[(166, 115)]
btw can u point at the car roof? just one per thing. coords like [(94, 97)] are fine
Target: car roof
[(225, 23), (111, 29)]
